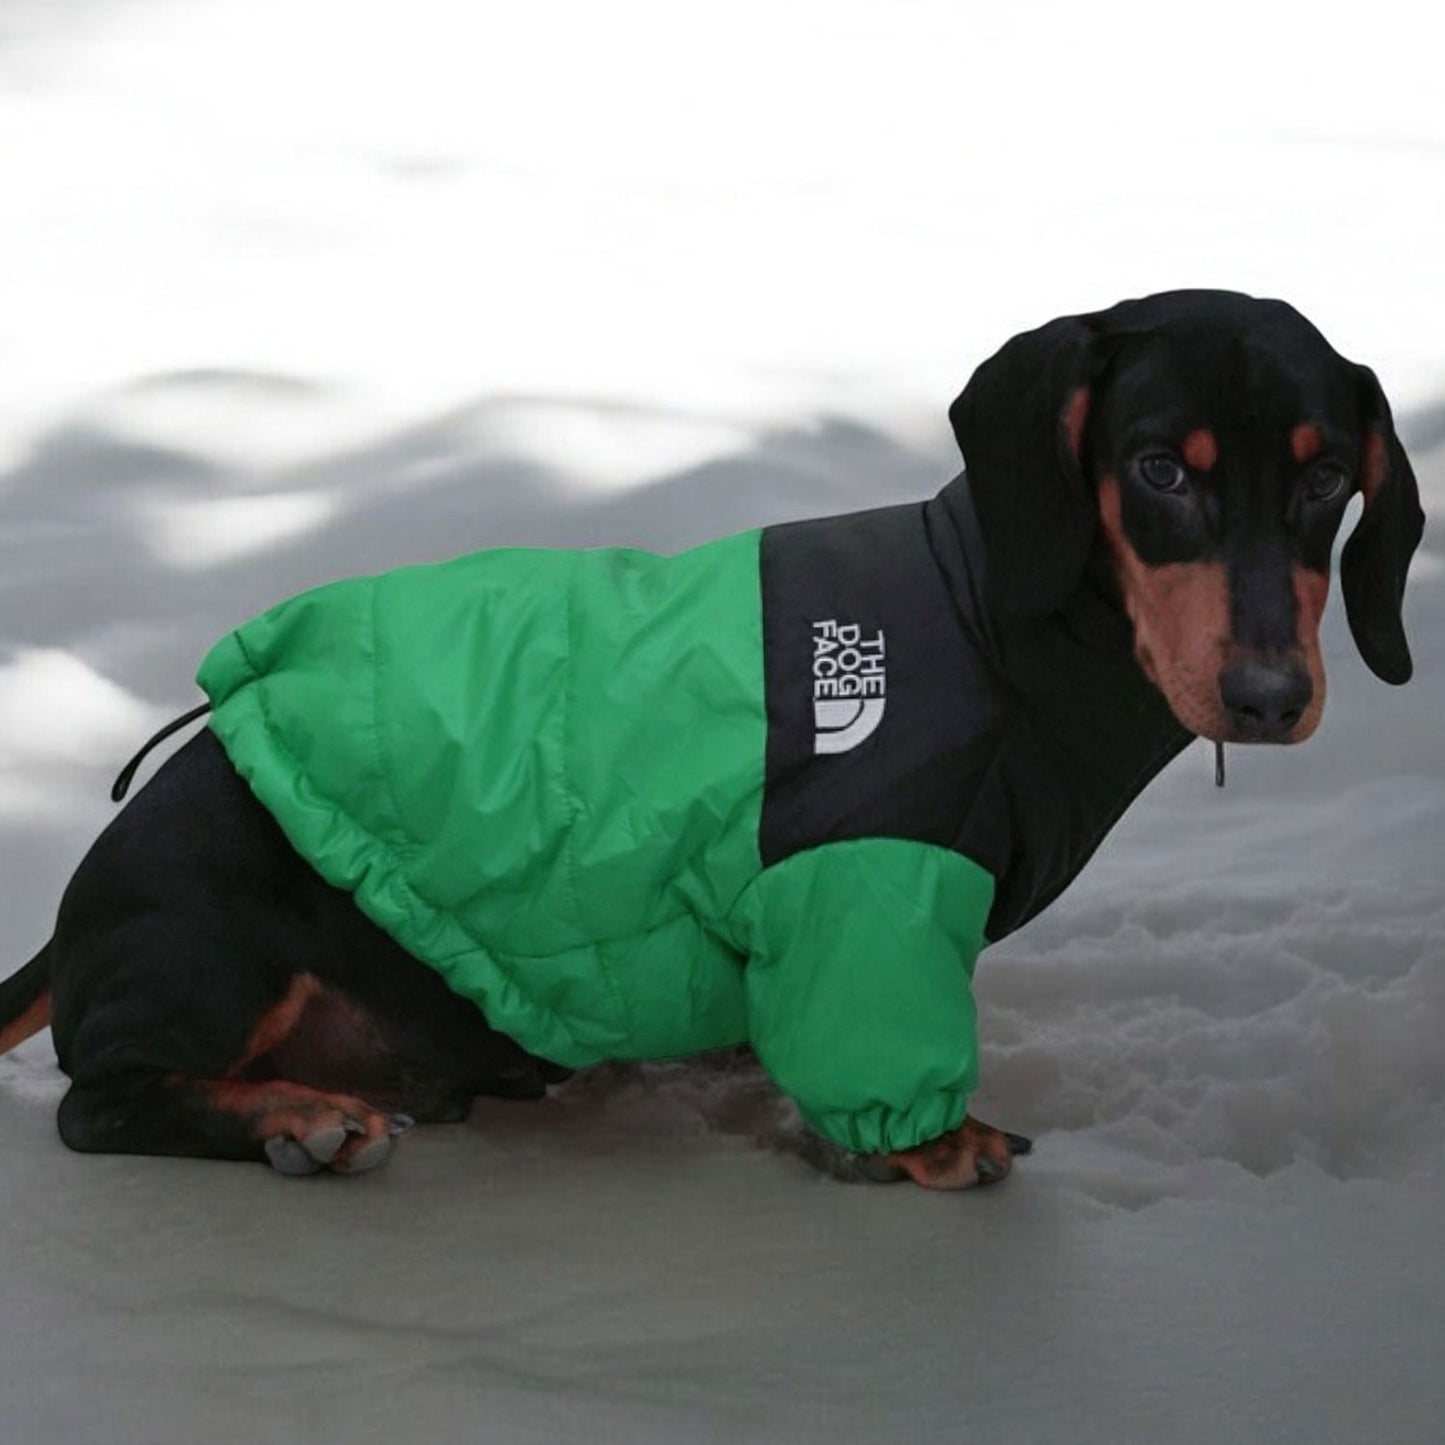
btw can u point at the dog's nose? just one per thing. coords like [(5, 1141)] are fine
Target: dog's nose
[(1265, 701)]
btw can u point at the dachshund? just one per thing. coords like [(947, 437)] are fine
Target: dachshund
[(955, 700)]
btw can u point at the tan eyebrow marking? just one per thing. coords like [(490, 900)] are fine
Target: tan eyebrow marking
[(1305, 442), (1200, 449)]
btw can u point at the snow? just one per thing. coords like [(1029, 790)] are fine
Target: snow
[(297, 290)]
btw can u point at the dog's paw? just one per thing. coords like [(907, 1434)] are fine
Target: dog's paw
[(304, 1131), (973, 1154), (350, 1146)]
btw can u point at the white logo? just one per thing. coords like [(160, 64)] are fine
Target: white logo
[(848, 685)]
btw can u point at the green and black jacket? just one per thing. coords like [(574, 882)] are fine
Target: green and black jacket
[(778, 789)]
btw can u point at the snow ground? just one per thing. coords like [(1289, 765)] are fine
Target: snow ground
[(598, 276)]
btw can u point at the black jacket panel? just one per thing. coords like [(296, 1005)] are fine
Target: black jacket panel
[(897, 707)]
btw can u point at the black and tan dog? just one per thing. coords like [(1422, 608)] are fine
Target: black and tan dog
[(1138, 553)]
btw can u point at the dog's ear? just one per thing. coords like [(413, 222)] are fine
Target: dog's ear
[(1020, 426), (1377, 556)]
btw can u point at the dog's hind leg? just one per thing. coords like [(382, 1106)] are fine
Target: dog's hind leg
[(295, 1128)]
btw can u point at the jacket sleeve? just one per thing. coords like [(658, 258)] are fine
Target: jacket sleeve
[(859, 986)]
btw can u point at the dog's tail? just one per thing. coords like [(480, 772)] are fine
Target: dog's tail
[(25, 1001)]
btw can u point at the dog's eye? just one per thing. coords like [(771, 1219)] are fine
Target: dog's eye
[(1163, 471), (1326, 482)]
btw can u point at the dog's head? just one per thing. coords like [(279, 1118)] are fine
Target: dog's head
[(1202, 446)]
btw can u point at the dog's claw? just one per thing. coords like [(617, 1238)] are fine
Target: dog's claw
[(400, 1124), (1018, 1144)]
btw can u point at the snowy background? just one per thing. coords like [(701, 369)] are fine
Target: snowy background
[(295, 288)]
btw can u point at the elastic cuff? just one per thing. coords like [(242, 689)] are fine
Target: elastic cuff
[(882, 1129)]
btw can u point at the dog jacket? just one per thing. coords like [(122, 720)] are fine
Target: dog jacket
[(778, 789)]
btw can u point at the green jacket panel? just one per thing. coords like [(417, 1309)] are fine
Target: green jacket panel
[(501, 757)]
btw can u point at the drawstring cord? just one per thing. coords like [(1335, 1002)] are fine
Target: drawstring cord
[(122, 784)]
